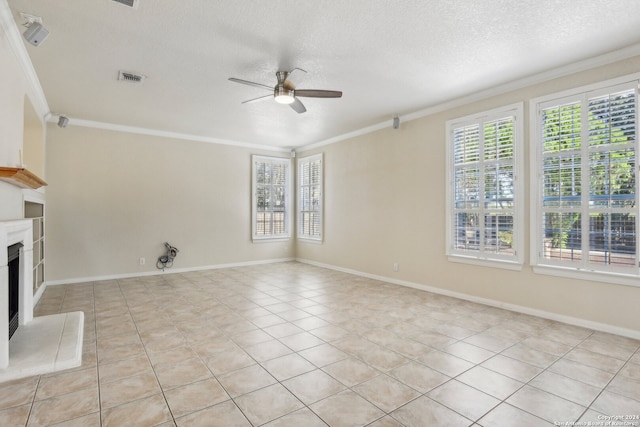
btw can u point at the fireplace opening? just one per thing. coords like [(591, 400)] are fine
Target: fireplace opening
[(14, 287)]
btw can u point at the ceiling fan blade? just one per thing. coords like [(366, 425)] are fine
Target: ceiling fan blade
[(298, 106), (294, 76), (295, 70), (246, 82), (317, 93), (260, 98)]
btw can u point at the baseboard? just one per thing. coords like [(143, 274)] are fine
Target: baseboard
[(38, 294), (603, 327), (71, 281), (576, 321)]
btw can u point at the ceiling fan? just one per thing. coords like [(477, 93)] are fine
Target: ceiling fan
[(285, 92)]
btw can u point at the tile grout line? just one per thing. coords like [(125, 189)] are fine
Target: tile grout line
[(338, 308), (164, 397), (95, 332), (613, 377), (545, 370)]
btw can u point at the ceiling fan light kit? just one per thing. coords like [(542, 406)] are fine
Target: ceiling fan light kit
[(283, 95), (284, 92)]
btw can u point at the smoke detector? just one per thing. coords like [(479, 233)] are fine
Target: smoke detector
[(130, 3), (131, 77)]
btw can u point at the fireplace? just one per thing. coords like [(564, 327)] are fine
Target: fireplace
[(15, 236), (13, 263), (42, 344)]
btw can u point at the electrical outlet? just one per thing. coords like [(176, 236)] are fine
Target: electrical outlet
[(396, 267), (142, 261)]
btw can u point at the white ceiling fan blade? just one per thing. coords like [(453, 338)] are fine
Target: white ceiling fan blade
[(298, 106), (260, 98), (294, 77), (254, 84)]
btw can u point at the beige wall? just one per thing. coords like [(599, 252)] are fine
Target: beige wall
[(33, 140), (115, 197), (13, 90), (384, 201)]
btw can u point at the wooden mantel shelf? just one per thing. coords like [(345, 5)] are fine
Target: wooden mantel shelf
[(21, 177)]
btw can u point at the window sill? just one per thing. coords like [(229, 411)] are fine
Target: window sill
[(493, 263), (270, 239), (593, 276), (310, 240)]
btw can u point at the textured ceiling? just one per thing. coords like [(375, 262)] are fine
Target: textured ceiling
[(388, 57)]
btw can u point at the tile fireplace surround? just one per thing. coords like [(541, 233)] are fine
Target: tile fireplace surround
[(42, 344)]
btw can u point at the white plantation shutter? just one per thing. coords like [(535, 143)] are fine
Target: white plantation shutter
[(483, 198), (310, 197), (271, 206), (588, 145), (562, 180)]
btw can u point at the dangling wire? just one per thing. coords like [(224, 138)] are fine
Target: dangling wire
[(166, 261)]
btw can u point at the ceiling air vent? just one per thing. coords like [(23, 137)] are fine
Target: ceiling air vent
[(131, 77), (130, 3)]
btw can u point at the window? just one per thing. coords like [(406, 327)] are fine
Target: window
[(484, 210), (271, 206), (584, 148), (35, 211), (310, 197)]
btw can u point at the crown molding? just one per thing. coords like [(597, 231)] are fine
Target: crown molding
[(34, 89), (576, 67), (53, 118), (558, 72), (37, 96)]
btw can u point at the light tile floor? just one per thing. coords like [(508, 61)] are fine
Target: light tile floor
[(296, 345)]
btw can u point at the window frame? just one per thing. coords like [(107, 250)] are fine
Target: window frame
[(483, 258), (582, 270), (255, 159), (300, 187)]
